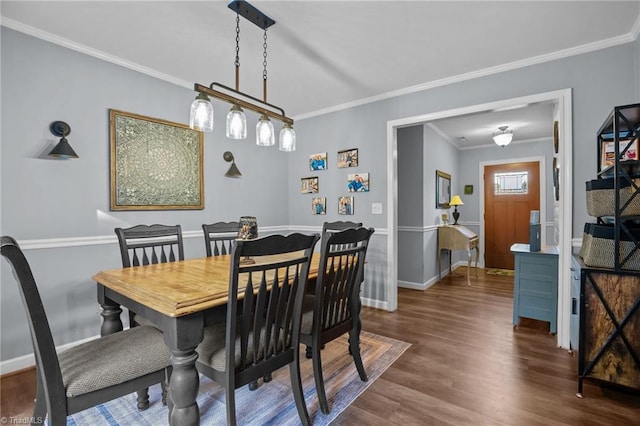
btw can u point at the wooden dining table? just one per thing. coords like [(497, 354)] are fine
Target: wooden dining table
[(179, 298)]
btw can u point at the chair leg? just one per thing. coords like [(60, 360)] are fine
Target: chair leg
[(230, 395), (296, 387), (354, 349), (308, 353), (317, 375), (253, 385), (143, 399), (164, 386)]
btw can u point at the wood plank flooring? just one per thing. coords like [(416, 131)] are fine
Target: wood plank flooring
[(467, 366)]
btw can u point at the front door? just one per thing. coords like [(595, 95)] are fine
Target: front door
[(511, 191)]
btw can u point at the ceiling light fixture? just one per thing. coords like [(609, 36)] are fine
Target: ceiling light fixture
[(201, 117), (503, 137)]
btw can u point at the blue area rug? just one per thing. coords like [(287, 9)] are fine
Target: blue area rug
[(272, 403)]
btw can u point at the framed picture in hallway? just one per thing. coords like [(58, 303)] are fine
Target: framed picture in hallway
[(443, 189)]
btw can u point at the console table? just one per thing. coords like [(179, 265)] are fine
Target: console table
[(457, 237), (535, 289)]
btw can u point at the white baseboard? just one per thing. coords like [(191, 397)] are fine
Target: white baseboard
[(26, 361)]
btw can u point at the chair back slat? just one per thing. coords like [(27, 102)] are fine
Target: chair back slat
[(150, 244), (219, 237), (339, 225), (47, 365), (271, 307), (340, 276)]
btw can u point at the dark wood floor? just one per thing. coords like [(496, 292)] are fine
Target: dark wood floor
[(466, 366)]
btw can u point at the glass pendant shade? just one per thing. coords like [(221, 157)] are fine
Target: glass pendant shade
[(236, 123), (201, 117), (265, 134), (503, 137), (287, 141)]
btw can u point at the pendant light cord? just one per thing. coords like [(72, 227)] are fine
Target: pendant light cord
[(237, 61), (264, 64)]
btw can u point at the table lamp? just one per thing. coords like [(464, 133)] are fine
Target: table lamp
[(455, 202)]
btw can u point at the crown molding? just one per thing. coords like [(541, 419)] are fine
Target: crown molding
[(560, 54), (61, 41)]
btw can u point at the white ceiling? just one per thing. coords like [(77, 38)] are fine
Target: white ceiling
[(326, 55)]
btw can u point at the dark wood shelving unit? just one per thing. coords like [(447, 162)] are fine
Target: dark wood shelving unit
[(609, 323)]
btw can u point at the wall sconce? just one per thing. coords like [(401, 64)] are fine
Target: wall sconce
[(62, 149), (233, 171)]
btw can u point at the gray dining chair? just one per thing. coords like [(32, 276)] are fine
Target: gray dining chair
[(93, 372), (219, 237), (261, 334), (334, 308), (149, 244), (146, 245)]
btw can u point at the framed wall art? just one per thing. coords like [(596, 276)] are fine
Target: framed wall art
[(443, 189), (345, 205), (319, 205), (358, 182), (348, 158), (318, 161), (309, 185), (155, 164)]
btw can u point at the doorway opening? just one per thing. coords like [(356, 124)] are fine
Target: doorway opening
[(562, 102)]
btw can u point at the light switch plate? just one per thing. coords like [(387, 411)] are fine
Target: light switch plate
[(376, 208)]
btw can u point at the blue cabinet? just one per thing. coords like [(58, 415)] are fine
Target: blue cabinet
[(535, 290)]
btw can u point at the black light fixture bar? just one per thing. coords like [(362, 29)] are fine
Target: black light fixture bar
[(251, 13), (210, 91)]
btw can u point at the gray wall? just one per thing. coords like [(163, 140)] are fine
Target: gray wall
[(411, 188), (599, 81), (45, 198)]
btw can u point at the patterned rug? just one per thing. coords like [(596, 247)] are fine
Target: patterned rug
[(271, 403), (503, 272)]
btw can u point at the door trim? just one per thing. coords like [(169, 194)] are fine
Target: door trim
[(543, 196), (563, 101)]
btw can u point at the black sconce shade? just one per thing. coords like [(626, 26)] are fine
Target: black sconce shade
[(62, 149)]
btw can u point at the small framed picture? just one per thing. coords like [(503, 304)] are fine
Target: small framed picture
[(348, 158), (319, 205), (358, 182), (345, 205), (309, 185), (318, 161), (609, 154)]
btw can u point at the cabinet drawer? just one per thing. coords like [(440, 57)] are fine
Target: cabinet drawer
[(536, 284), (539, 267)]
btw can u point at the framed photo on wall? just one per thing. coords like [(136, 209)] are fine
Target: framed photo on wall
[(309, 185), (318, 161), (154, 164), (358, 182), (348, 158), (319, 205), (345, 205), (443, 189)]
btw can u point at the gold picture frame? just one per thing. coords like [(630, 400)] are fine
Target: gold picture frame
[(154, 164), (443, 189)]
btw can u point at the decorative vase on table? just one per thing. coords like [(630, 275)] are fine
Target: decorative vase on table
[(247, 230)]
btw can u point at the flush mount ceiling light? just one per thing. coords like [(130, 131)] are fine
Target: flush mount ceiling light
[(503, 137), (201, 117)]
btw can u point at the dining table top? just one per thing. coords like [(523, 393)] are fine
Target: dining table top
[(182, 287)]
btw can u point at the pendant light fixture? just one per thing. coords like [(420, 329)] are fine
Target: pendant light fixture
[(503, 137), (236, 120), (201, 117)]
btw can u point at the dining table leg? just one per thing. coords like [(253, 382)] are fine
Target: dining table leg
[(182, 338)]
